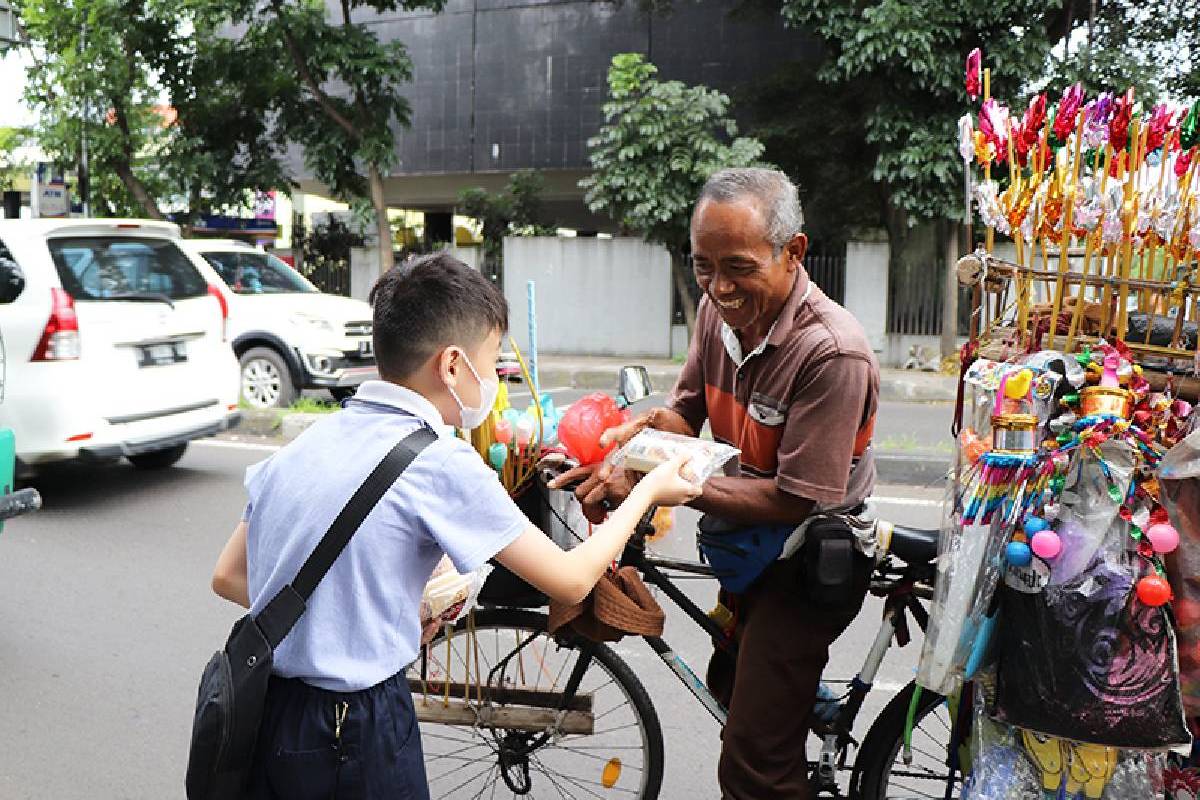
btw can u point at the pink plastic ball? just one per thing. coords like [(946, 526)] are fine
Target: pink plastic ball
[(1046, 544), (1163, 537), (504, 432)]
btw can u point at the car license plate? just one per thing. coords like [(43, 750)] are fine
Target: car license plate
[(157, 355), (365, 349)]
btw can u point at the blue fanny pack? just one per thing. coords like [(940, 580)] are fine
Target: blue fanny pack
[(738, 555)]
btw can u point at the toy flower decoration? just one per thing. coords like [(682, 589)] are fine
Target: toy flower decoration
[(973, 62), (1068, 111), (966, 138)]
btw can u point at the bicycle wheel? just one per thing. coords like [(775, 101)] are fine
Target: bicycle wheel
[(489, 750), (880, 772)]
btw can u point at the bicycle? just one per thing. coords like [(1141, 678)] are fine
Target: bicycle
[(572, 714)]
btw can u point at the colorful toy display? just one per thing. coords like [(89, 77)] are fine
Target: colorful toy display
[(1062, 561)]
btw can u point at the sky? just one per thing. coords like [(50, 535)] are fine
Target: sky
[(13, 111)]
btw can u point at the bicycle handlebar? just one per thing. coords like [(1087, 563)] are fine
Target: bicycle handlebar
[(18, 503)]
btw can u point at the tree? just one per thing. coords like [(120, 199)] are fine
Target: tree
[(823, 149), (345, 107), (660, 142), (516, 210), (158, 98)]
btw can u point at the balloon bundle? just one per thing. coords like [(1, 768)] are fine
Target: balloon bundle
[(512, 441)]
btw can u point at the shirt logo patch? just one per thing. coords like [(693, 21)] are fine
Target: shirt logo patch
[(766, 411)]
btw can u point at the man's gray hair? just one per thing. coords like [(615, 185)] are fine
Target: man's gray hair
[(777, 198)]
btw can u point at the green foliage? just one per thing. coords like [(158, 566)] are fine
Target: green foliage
[(10, 164), (660, 141), (347, 131), (516, 211), (814, 131), (111, 71), (905, 59)]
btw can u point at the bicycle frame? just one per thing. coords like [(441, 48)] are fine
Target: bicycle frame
[(901, 599)]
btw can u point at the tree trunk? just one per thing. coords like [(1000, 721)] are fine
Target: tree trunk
[(138, 190), (683, 285), (383, 225)]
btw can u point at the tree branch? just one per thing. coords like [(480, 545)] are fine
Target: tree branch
[(307, 77)]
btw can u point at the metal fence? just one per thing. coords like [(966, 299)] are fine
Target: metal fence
[(330, 276), (915, 292), (828, 270)]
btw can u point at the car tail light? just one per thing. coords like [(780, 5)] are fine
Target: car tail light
[(215, 292), (60, 339)]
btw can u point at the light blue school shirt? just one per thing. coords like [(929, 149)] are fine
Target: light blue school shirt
[(361, 625)]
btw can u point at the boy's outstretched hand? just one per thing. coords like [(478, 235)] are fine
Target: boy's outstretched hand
[(671, 483)]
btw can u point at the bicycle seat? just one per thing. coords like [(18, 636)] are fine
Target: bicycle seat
[(913, 545)]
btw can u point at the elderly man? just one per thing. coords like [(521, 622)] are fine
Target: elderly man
[(786, 375)]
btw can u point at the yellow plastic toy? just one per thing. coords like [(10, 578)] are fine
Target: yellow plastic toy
[(1092, 767)]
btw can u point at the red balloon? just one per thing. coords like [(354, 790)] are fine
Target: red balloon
[(581, 427), (1154, 591)]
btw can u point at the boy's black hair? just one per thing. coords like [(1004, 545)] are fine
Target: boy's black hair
[(428, 303)]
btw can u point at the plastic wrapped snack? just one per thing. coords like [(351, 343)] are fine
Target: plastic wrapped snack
[(447, 596), (648, 449)]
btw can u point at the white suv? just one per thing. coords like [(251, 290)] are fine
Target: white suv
[(115, 343), (287, 334)]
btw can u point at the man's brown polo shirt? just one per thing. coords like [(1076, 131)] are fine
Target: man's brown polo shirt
[(801, 407)]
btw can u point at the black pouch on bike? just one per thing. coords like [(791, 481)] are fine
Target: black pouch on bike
[(233, 687), (828, 563)]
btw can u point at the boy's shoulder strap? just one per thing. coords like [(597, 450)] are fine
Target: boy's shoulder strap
[(284, 610)]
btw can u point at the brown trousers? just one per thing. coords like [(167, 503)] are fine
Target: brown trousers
[(783, 647)]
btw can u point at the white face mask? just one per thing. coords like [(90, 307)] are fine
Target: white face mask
[(474, 417)]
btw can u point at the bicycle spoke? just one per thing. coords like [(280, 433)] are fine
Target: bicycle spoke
[(584, 784), (450, 793), (554, 783), (479, 795), (573, 781)]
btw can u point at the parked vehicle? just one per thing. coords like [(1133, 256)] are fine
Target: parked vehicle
[(287, 334), (115, 343)]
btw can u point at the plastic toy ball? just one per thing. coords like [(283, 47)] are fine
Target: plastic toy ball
[(504, 432), (1035, 524), (1163, 537), (1046, 544), (1153, 590), (1018, 554), (497, 455), (524, 431)]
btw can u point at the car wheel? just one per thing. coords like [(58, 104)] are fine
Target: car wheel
[(340, 393), (266, 379), (159, 459)]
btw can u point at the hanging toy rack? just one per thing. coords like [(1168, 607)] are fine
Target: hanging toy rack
[(1098, 205)]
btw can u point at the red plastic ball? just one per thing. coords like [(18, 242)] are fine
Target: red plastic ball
[(1154, 591)]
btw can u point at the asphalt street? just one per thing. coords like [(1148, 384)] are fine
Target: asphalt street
[(106, 620)]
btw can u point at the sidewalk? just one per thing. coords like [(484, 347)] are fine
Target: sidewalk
[(912, 444), (588, 372)]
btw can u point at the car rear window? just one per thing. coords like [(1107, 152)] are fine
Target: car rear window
[(116, 268), (257, 273)]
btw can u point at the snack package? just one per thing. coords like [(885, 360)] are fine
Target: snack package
[(447, 596), (648, 449)]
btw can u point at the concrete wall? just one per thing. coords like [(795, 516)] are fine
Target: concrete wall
[(867, 288), (599, 297)]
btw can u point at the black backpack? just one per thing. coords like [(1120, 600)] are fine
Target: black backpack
[(233, 687)]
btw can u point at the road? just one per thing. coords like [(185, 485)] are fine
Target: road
[(106, 619)]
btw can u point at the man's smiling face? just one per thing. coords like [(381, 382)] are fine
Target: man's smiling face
[(737, 266)]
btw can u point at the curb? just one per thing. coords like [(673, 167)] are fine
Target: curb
[(912, 470)]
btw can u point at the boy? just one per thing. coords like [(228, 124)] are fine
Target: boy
[(339, 717)]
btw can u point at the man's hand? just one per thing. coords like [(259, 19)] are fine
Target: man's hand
[(596, 483), (600, 482)]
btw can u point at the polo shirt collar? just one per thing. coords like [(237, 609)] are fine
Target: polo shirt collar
[(780, 329), (386, 393)]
